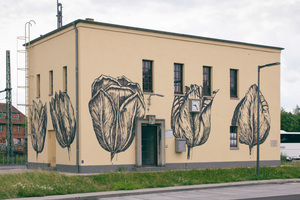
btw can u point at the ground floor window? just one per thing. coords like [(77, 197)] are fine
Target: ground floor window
[(233, 136)]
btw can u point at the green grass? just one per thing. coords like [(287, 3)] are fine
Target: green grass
[(41, 183)]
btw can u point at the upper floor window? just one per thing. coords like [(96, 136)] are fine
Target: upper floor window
[(65, 79), (233, 83), (206, 81), (147, 76), (38, 85), (51, 82), (1, 128), (178, 78), (233, 136)]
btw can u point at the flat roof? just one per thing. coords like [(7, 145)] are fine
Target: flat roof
[(149, 30)]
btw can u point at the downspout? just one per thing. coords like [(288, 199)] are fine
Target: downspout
[(76, 85)]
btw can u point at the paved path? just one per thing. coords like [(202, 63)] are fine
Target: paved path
[(8, 169), (224, 193)]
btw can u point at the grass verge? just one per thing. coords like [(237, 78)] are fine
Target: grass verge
[(41, 183)]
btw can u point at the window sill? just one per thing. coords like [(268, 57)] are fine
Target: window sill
[(50, 94), (38, 97), (178, 94), (234, 98), (234, 148)]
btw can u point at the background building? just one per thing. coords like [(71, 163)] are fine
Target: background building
[(18, 125), (105, 96)]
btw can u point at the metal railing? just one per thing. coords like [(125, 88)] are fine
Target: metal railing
[(16, 159)]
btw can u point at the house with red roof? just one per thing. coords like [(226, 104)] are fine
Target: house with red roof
[(18, 120)]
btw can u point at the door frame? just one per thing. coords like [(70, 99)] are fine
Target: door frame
[(160, 124)]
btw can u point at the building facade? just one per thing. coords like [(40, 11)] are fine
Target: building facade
[(106, 96), (18, 120)]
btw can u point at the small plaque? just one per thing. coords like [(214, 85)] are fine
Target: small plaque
[(274, 143), (169, 133)]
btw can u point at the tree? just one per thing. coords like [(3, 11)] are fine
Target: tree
[(290, 122)]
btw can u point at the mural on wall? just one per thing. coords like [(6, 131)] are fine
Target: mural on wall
[(38, 126), (245, 117), (63, 119), (194, 127), (114, 107)]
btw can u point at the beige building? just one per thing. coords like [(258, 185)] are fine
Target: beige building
[(107, 97)]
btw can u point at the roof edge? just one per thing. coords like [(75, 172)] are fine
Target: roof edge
[(150, 30)]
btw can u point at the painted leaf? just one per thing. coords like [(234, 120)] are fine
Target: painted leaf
[(194, 127), (38, 126), (63, 119), (114, 107), (245, 117)]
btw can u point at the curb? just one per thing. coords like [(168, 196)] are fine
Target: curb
[(162, 190)]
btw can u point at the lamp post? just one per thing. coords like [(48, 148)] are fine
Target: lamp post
[(258, 102)]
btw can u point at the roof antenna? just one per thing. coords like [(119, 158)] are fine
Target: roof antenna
[(59, 15)]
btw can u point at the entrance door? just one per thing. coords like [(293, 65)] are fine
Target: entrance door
[(149, 145), (52, 148)]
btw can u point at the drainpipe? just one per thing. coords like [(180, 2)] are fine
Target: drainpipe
[(76, 83)]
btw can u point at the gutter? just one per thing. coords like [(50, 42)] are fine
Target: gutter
[(76, 86)]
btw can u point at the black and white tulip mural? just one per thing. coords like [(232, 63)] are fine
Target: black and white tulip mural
[(38, 126), (194, 127), (63, 119), (114, 107), (245, 117)]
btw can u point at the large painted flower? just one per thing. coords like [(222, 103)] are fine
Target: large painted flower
[(245, 117), (63, 119), (194, 127), (114, 107), (38, 125)]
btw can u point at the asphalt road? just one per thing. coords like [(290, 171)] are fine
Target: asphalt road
[(287, 191)]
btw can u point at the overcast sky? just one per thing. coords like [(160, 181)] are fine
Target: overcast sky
[(266, 22)]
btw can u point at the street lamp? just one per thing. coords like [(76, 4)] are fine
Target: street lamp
[(258, 102)]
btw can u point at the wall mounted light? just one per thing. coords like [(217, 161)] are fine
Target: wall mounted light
[(149, 99)]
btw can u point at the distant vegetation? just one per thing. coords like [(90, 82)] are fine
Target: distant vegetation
[(290, 121)]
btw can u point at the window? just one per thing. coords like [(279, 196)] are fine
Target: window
[(51, 82), (65, 79), (147, 76), (207, 81), (233, 136), (18, 128), (1, 128), (178, 78), (38, 85), (290, 138), (233, 83)]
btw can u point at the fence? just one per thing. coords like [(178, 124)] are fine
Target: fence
[(16, 159), (19, 155)]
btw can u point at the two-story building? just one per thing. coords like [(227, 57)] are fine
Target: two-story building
[(18, 120), (106, 96)]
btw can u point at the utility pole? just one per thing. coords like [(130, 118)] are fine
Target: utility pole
[(9, 137)]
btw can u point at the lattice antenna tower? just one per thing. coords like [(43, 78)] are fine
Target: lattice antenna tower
[(9, 137)]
